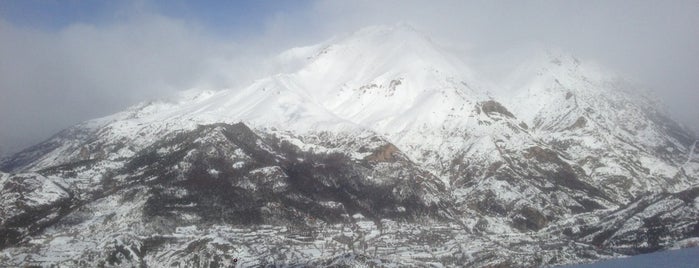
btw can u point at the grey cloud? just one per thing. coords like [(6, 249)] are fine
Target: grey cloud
[(50, 80), (653, 42)]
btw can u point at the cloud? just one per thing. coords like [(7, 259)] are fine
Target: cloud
[(51, 79), (654, 43)]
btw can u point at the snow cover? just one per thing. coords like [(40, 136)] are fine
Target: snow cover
[(396, 83)]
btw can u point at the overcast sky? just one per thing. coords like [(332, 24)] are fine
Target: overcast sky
[(63, 62)]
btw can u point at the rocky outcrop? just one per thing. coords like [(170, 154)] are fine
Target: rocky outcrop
[(492, 107), (383, 154), (29, 203)]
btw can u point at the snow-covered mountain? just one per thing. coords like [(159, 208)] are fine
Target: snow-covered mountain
[(377, 147)]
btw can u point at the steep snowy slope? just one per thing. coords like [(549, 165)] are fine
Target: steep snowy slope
[(387, 79), (586, 112)]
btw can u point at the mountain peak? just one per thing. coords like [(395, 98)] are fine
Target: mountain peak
[(379, 52), (377, 132), (375, 43), (384, 31)]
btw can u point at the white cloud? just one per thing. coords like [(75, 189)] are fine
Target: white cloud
[(52, 79)]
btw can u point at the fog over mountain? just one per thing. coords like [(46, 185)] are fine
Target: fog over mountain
[(72, 67), (330, 134)]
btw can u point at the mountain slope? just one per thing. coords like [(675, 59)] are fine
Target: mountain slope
[(585, 112), (373, 140)]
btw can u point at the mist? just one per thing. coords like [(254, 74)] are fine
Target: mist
[(54, 77), (51, 80)]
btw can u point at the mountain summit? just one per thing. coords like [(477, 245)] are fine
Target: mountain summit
[(377, 143)]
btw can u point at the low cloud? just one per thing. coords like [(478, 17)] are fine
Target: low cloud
[(51, 79), (654, 43)]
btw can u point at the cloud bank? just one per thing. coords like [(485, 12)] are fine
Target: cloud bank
[(53, 78)]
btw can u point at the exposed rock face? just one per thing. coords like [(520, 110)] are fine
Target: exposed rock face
[(492, 107), (530, 219), (580, 123), (384, 154)]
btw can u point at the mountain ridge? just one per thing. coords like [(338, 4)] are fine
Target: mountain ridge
[(378, 132)]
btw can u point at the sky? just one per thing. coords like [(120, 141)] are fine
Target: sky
[(63, 62)]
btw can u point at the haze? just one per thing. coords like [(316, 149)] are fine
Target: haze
[(63, 63)]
